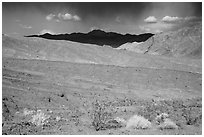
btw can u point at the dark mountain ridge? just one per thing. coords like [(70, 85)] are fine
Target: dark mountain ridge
[(98, 37)]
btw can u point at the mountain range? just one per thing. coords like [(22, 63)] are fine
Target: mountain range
[(98, 37)]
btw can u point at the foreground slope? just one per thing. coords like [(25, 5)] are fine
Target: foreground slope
[(67, 91)]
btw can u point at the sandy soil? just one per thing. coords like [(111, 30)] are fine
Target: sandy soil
[(67, 92)]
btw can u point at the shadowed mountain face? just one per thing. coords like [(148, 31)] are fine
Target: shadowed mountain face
[(98, 37), (184, 42)]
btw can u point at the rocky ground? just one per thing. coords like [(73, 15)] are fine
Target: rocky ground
[(64, 96)]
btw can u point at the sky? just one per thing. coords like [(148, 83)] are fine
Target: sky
[(134, 18)]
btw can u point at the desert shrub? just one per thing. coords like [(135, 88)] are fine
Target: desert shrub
[(122, 121), (102, 118), (160, 118), (39, 118), (138, 122), (27, 112), (22, 128), (152, 110), (182, 112), (168, 124), (193, 116)]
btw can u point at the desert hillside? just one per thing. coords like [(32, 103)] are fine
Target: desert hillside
[(66, 51), (184, 42), (63, 87), (102, 68)]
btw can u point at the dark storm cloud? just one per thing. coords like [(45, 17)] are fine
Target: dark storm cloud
[(99, 9), (197, 7), (108, 9), (122, 17), (44, 8), (135, 9), (84, 9)]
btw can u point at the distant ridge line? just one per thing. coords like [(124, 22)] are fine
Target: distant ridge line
[(98, 37)]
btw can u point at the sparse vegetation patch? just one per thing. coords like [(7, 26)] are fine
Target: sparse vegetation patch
[(102, 118)]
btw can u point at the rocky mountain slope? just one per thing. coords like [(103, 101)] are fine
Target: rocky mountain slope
[(131, 47), (98, 37), (184, 42)]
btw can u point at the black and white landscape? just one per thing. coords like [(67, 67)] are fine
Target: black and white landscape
[(102, 68)]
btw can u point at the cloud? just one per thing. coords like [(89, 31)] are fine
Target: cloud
[(171, 19), (76, 18), (168, 23), (63, 17), (68, 16), (25, 26), (156, 27), (50, 17), (47, 31), (150, 19), (193, 18)]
